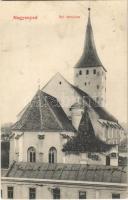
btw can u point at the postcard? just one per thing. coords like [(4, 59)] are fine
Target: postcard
[(63, 99)]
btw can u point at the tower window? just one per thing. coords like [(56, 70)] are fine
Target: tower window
[(87, 71), (80, 72), (60, 82), (94, 71), (10, 193), (31, 154), (98, 86), (85, 83), (32, 193), (52, 155)]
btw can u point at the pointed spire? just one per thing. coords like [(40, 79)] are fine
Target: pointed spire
[(89, 20), (89, 57)]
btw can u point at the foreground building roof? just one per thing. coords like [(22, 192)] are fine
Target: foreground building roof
[(44, 113), (77, 172)]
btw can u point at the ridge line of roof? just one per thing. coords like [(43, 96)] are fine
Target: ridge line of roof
[(55, 115), (50, 80), (26, 110), (67, 181), (58, 121), (23, 122), (78, 90)]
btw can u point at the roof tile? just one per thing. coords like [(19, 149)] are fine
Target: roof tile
[(59, 171), (45, 114)]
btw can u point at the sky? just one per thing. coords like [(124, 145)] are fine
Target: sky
[(38, 49)]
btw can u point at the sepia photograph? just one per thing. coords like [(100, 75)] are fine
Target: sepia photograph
[(63, 100)]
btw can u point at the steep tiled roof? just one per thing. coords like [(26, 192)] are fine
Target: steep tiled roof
[(89, 57), (44, 113), (85, 141), (77, 172)]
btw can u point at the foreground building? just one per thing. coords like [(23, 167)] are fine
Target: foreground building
[(65, 143), (65, 181)]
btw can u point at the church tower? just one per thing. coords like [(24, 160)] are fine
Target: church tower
[(89, 73)]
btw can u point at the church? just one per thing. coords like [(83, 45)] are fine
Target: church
[(65, 131)]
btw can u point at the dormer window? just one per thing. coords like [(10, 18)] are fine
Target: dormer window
[(87, 71), (60, 82), (80, 72), (94, 71)]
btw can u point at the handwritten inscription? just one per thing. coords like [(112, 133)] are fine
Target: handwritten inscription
[(69, 17), (25, 18)]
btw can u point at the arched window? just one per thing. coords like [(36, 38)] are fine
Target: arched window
[(52, 155), (31, 154)]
